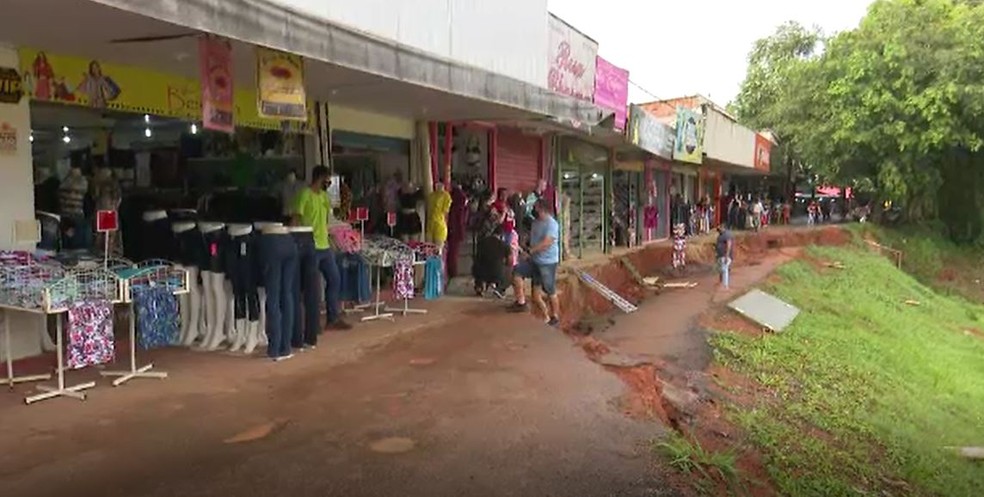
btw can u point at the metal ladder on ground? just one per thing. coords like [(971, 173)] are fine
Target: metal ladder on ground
[(606, 292)]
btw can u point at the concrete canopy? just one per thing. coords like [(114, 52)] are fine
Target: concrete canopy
[(344, 66)]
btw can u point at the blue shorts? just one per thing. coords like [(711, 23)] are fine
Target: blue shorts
[(542, 275)]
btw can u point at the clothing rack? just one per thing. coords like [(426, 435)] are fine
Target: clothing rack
[(12, 380), (406, 309), (151, 273), (57, 297), (378, 304)]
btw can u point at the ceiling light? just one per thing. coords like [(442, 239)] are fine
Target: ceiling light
[(64, 129), (67, 139), (31, 137), (147, 118), (148, 133), (194, 129)]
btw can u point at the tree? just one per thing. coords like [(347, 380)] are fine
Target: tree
[(897, 103)]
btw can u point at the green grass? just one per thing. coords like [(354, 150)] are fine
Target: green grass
[(867, 390), (709, 467)]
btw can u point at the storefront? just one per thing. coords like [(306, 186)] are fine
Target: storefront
[(519, 160), (657, 139), (584, 176)]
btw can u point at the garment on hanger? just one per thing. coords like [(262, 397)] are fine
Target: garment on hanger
[(309, 289), (214, 242), (424, 250), (383, 251), (403, 287), (650, 215), (438, 208), (157, 240), (354, 272), (158, 321), (90, 333), (433, 278), (238, 253), (345, 238)]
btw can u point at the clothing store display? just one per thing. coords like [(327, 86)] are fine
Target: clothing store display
[(190, 249), (156, 310), (424, 250), (279, 252), (354, 285), (433, 278), (438, 207), (156, 240), (383, 251), (307, 307), (408, 220), (345, 238), (71, 195), (457, 228), (344, 198), (328, 267), (650, 217), (403, 287), (90, 334), (214, 240), (238, 253)]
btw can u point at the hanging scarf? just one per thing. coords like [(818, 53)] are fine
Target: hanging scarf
[(157, 317), (403, 287), (90, 334), (433, 278)]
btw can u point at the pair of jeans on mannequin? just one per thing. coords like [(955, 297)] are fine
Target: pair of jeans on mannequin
[(329, 271), (306, 330), (280, 269)]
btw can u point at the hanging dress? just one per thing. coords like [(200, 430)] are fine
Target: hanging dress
[(438, 207)]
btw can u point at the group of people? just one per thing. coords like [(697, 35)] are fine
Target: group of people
[(754, 213)]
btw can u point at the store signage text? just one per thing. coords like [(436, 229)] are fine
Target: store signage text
[(8, 139), (11, 87), (571, 61)]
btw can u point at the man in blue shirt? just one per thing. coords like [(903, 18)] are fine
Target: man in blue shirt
[(541, 265)]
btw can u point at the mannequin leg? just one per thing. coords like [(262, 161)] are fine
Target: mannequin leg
[(230, 322), (208, 292), (261, 336), (184, 307), (253, 332), (221, 303), (191, 328)]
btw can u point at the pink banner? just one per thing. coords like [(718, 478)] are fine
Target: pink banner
[(612, 90), (215, 62)]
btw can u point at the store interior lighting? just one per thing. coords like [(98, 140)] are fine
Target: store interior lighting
[(194, 129), (148, 133)]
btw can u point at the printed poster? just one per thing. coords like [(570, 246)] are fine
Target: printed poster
[(8, 139), (572, 59), (648, 133), (58, 78), (612, 90), (280, 81), (689, 145), (763, 153), (218, 101)]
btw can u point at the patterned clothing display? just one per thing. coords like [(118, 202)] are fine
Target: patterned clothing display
[(679, 252), (650, 217), (433, 278), (384, 251), (424, 250), (354, 272), (403, 287), (90, 334), (156, 310), (345, 238)]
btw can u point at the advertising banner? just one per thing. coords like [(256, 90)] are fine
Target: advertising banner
[(571, 62), (763, 153), (612, 90), (689, 146), (218, 101), (280, 80), (649, 134), (59, 79)]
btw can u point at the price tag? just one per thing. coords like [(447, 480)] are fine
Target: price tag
[(352, 218), (107, 221), (362, 213), (391, 219)]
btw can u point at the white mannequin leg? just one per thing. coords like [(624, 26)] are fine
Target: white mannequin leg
[(230, 316), (261, 336), (221, 304), (191, 327), (208, 292)]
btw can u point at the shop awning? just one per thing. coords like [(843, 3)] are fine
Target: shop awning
[(355, 68)]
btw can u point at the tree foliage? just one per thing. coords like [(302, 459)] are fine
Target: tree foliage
[(897, 103)]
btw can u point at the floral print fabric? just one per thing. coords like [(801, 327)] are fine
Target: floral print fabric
[(403, 287), (90, 334), (156, 310)]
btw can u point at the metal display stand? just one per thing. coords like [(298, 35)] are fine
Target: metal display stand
[(151, 273), (406, 309), (12, 380), (95, 284), (378, 304)]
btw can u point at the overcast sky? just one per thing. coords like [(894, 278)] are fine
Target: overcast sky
[(674, 48)]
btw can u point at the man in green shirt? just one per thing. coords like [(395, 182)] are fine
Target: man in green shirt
[(313, 208)]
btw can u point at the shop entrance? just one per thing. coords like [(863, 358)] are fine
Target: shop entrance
[(583, 207)]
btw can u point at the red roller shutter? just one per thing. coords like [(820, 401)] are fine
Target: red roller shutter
[(517, 160)]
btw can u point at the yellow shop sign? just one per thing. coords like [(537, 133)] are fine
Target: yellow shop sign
[(105, 85)]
